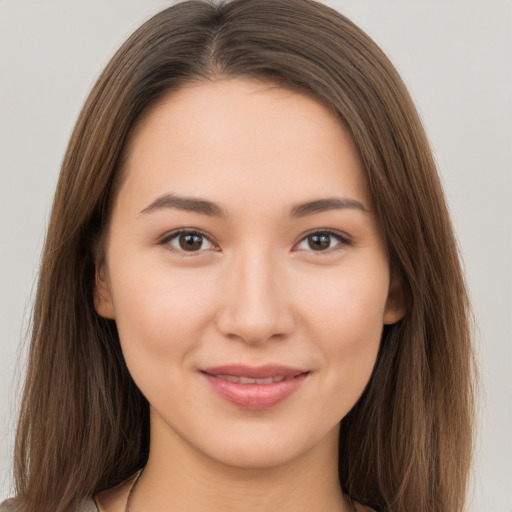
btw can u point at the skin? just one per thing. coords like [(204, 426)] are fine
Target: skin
[(255, 292)]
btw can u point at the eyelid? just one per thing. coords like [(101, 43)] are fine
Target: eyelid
[(343, 238), (164, 241)]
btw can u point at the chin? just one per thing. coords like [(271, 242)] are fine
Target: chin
[(252, 458), (266, 450)]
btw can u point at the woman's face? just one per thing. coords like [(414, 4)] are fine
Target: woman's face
[(246, 272)]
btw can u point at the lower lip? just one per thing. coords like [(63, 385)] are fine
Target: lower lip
[(255, 397)]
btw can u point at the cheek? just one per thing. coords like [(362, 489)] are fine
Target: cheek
[(345, 318), (159, 313), (350, 302)]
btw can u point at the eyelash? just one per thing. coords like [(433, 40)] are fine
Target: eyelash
[(342, 239), (174, 234)]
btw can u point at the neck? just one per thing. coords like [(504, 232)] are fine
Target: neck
[(179, 477)]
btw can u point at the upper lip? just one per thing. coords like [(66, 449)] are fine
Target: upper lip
[(254, 372)]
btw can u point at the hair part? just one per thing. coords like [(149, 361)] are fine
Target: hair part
[(84, 425)]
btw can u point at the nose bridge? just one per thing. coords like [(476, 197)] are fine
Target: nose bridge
[(255, 305)]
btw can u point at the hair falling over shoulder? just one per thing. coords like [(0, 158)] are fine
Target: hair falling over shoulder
[(84, 425)]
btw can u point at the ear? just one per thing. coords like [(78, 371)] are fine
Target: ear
[(102, 296), (395, 303)]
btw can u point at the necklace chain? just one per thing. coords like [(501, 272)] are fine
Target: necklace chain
[(139, 474), (132, 488)]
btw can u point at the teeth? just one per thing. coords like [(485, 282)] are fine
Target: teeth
[(249, 380)]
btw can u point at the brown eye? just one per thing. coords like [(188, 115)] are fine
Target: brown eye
[(322, 241), (188, 241), (319, 242)]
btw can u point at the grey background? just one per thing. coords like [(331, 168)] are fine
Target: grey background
[(456, 58)]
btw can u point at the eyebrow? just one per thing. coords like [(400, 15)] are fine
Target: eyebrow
[(203, 207), (186, 204), (322, 205)]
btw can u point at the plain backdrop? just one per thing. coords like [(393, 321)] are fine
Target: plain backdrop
[(455, 57)]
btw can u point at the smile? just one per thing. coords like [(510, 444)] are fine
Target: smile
[(255, 389), (249, 380)]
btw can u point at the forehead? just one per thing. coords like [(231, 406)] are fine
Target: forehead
[(260, 140)]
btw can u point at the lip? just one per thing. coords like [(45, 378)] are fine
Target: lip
[(255, 396)]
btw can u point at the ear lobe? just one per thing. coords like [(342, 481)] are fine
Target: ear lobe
[(395, 303), (102, 296)]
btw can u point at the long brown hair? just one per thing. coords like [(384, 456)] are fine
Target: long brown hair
[(84, 425)]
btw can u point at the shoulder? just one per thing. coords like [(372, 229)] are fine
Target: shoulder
[(359, 508), (86, 505), (8, 506)]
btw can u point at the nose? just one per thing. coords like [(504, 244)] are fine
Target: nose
[(255, 306)]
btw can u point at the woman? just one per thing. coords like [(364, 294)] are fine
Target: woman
[(250, 293)]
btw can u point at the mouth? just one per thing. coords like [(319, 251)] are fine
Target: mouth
[(250, 380), (255, 388)]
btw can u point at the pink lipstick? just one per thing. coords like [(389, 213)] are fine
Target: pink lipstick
[(254, 388)]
